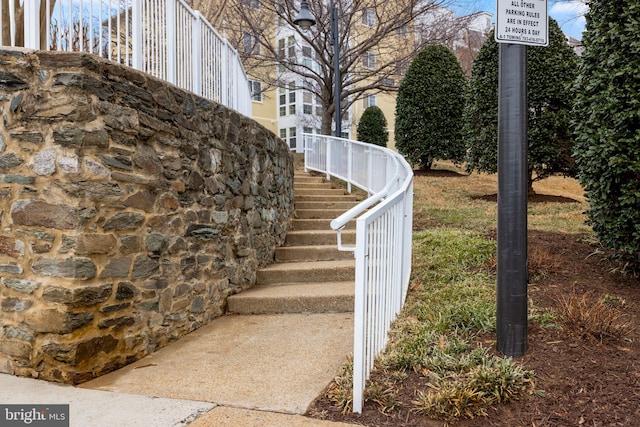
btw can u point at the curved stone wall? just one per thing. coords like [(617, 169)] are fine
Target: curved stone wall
[(130, 210)]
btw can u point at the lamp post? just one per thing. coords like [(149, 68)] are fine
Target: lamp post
[(305, 21)]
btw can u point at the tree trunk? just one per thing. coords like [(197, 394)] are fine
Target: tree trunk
[(530, 191), (327, 118)]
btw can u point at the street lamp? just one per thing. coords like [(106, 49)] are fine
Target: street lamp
[(305, 21)]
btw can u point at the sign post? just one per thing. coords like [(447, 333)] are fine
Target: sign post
[(518, 23)]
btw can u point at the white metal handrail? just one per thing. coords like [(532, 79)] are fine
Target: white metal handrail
[(383, 238), (164, 38)]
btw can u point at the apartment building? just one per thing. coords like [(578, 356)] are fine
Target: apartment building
[(288, 101)]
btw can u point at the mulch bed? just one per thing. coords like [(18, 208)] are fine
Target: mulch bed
[(578, 381)]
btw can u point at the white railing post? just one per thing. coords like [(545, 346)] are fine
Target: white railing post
[(171, 45), (196, 54), (224, 62), (359, 320), (137, 23), (31, 23), (328, 159), (349, 167)]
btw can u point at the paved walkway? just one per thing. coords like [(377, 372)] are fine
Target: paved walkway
[(261, 370)]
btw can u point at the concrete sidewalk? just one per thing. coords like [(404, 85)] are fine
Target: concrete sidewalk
[(261, 370)]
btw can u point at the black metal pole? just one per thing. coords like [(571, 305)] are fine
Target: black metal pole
[(336, 69), (511, 314)]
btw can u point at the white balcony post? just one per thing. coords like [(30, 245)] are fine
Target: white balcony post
[(31, 24), (196, 54), (137, 23), (224, 62), (171, 22)]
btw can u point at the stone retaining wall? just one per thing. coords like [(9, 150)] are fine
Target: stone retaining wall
[(130, 210)]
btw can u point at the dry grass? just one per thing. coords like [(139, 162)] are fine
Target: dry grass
[(455, 201), (542, 262), (594, 318)]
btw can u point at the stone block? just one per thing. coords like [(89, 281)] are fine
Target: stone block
[(56, 321), (87, 351), (130, 244), (23, 286), (72, 268), (93, 243), (15, 348), (143, 200), (125, 291), (38, 213), (116, 267), (123, 221), (144, 267), (14, 304), (10, 161), (84, 296)]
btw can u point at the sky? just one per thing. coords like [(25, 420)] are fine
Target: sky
[(568, 13)]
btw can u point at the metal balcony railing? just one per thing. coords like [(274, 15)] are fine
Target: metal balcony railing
[(164, 38), (383, 238)]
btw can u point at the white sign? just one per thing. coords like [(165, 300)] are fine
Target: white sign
[(522, 22)]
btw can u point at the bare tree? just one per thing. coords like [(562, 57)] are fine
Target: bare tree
[(377, 40)]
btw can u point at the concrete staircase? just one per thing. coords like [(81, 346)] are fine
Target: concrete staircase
[(310, 275)]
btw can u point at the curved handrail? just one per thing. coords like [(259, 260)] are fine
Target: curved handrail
[(383, 238)]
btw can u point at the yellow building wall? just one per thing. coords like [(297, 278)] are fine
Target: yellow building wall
[(387, 103), (264, 112)]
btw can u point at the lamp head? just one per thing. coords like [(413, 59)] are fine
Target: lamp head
[(305, 19)]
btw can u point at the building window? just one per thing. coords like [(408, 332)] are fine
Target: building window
[(403, 31), (255, 88), (307, 102), (292, 138), (253, 4), (388, 82), (369, 60), (287, 99), (368, 101), (282, 100), (291, 47), (250, 43), (281, 51), (307, 57), (369, 17)]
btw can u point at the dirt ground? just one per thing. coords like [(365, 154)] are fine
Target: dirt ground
[(579, 381)]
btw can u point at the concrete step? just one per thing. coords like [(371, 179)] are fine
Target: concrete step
[(318, 213), (318, 237), (311, 253), (301, 186), (316, 224), (320, 192), (324, 197), (311, 271), (328, 297), (331, 204)]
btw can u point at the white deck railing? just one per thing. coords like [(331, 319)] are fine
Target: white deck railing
[(383, 238), (164, 38)]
